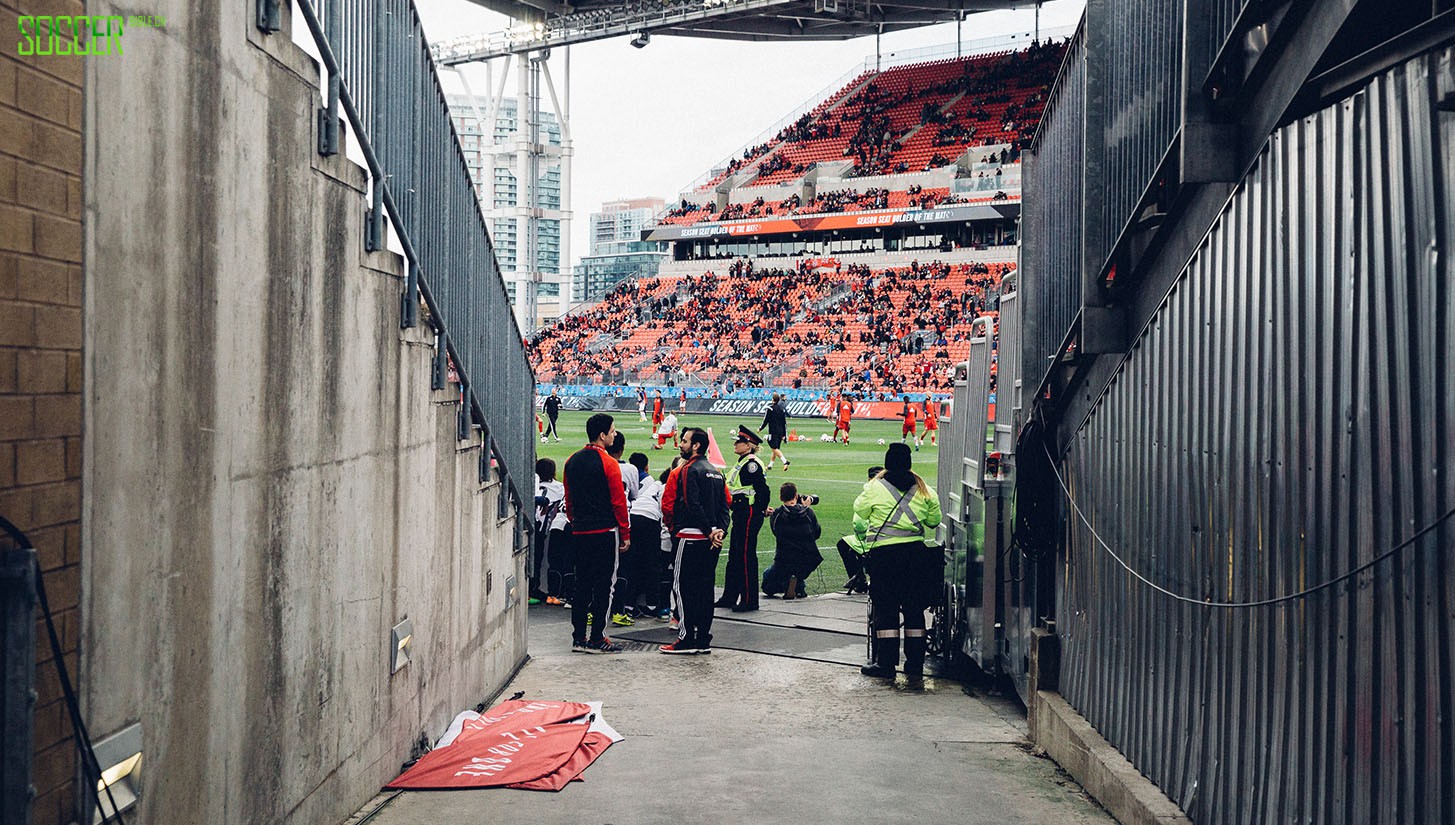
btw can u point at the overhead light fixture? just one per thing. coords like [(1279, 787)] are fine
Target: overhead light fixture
[(642, 39)]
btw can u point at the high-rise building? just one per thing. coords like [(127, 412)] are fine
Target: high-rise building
[(494, 166), (618, 252)]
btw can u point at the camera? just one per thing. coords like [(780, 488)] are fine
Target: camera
[(808, 498)]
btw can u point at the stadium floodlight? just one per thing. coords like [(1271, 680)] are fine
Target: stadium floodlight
[(642, 39)]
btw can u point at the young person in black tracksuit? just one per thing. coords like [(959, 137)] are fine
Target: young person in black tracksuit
[(695, 510), (600, 530)]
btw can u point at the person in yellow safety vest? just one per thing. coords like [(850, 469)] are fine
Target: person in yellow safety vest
[(893, 517)]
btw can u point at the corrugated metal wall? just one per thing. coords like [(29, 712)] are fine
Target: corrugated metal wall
[(1288, 415), (1052, 212)]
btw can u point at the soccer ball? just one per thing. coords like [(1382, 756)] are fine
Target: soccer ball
[(543, 439), (823, 437), (881, 442)]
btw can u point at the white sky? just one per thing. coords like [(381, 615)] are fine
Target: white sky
[(647, 122)]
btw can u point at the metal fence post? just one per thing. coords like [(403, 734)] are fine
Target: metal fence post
[(328, 115), (409, 303), (269, 16), (17, 713), (462, 419), (439, 376)]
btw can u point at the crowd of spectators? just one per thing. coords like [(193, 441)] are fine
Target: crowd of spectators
[(904, 120), (821, 323)]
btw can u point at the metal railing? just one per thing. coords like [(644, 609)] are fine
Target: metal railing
[(1052, 214), (381, 75)]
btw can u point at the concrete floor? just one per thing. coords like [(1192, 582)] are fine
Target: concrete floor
[(793, 734)]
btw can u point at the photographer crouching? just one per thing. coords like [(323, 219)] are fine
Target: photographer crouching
[(893, 517), (796, 528)]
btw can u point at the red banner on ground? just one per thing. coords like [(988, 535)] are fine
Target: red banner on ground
[(531, 745)]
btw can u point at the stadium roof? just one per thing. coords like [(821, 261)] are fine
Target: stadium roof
[(546, 23)]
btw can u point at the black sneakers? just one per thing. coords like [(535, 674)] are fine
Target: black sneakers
[(877, 671), (603, 646), (681, 647)]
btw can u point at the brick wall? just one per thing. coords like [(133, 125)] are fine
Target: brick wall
[(40, 357)]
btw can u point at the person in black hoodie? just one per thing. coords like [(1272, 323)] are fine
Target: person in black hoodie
[(796, 528)]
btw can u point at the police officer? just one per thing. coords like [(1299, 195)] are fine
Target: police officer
[(893, 517), (749, 488)]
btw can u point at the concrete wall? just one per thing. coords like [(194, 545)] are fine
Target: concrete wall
[(40, 358), (270, 484)]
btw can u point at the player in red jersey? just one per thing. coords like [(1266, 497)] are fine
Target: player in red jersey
[(932, 419), (846, 411), (910, 428)]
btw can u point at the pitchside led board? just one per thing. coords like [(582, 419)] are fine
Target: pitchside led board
[(851, 220)]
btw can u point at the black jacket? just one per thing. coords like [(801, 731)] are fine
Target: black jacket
[(797, 530), (696, 499), (776, 420), (552, 405)]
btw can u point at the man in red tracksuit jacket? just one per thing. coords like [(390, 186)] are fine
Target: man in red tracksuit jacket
[(600, 529), (695, 510)]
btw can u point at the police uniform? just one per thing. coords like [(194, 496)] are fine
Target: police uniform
[(749, 488)]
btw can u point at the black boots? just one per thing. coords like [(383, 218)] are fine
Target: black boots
[(914, 661), (886, 656)]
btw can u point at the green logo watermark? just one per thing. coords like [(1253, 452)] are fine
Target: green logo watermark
[(79, 34)]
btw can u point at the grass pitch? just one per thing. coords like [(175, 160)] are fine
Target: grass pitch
[(834, 472)]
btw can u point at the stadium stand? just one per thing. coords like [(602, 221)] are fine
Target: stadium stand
[(878, 304), (905, 119), (872, 332)]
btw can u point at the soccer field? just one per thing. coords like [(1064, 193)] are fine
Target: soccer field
[(834, 472)]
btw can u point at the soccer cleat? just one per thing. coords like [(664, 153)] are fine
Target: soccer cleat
[(785, 465), (554, 600), (533, 601), (622, 620), (681, 647)]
